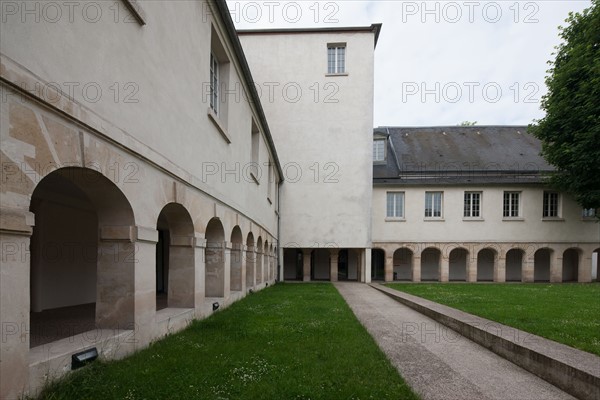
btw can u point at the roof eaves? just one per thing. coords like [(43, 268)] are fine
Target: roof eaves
[(221, 6)]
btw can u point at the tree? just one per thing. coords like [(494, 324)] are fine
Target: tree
[(570, 131), (468, 123)]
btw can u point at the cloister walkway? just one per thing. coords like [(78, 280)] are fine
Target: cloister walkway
[(435, 361)]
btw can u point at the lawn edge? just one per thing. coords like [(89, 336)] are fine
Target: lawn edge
[(575, 371)]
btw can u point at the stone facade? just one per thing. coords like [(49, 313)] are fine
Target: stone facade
[(125, 215)]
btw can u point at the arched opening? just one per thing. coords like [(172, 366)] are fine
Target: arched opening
[(514, 265), (174, 258), (486, 262), (430, 264), (377, 265), (457, 270), (82, 258), (403, 259), (258, 266), (250, 261), (570, 266), (215, 259), (319, 265), (541, 265), (236, 259), (292, 265)]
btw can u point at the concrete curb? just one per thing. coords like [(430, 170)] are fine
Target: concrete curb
[(574, 371)]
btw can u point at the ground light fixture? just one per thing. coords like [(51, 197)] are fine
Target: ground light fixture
[(82, 358), (215, 306)]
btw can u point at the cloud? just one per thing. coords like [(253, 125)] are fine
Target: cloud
[(441, 62)]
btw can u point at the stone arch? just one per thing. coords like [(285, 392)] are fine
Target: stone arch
[(570, 264), (487, 259), (175, 265), (377, 264), (258, 266), (430, 264), (215, 259), (514, 265), (82, 255), (542, 259), (403, 264), (237, 249), (250, 261), (457, 264)]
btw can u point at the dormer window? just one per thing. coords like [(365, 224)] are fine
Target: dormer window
[(378, 150)]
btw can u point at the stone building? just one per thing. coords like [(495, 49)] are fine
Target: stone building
[(139, 178), (158, 165), (320, 111), (470, 204)]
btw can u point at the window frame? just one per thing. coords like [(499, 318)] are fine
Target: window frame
[(215, 95), (469, 197), (586, 215), (434, 203), (510, 209), (396, 216), (549, 207), (336, 57), (384, 150)]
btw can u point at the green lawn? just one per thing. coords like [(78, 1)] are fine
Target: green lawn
[(290, 341), (566, 313)]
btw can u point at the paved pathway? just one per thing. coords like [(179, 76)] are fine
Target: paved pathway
[(434, 360)]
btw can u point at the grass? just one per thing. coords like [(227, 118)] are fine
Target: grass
[(566, 313), (291, 341)]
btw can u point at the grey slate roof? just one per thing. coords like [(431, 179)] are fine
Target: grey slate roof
[(460, 155)]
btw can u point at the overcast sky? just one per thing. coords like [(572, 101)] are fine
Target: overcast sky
[(440, 62)]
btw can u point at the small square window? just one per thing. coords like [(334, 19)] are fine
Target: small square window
[(395, 205), (336, 58), (590, 213)]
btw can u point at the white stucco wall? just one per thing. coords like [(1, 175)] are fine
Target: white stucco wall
[(491, 228), (150, 82), (322, 128)]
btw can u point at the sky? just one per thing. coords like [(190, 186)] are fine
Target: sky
[(440, 62)]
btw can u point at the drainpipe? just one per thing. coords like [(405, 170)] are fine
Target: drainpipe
[(279, 248)]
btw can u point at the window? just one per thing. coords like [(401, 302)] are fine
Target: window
[(395, 205), (511, 204), (379, 150), (214, 83), (551, 209), (433, 204), (336, 58), (472, 207), (589, 212), (254, 149)]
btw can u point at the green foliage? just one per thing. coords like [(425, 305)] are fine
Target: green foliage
[(468, 123), (290, 341), (568, 313), (570, 131)]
